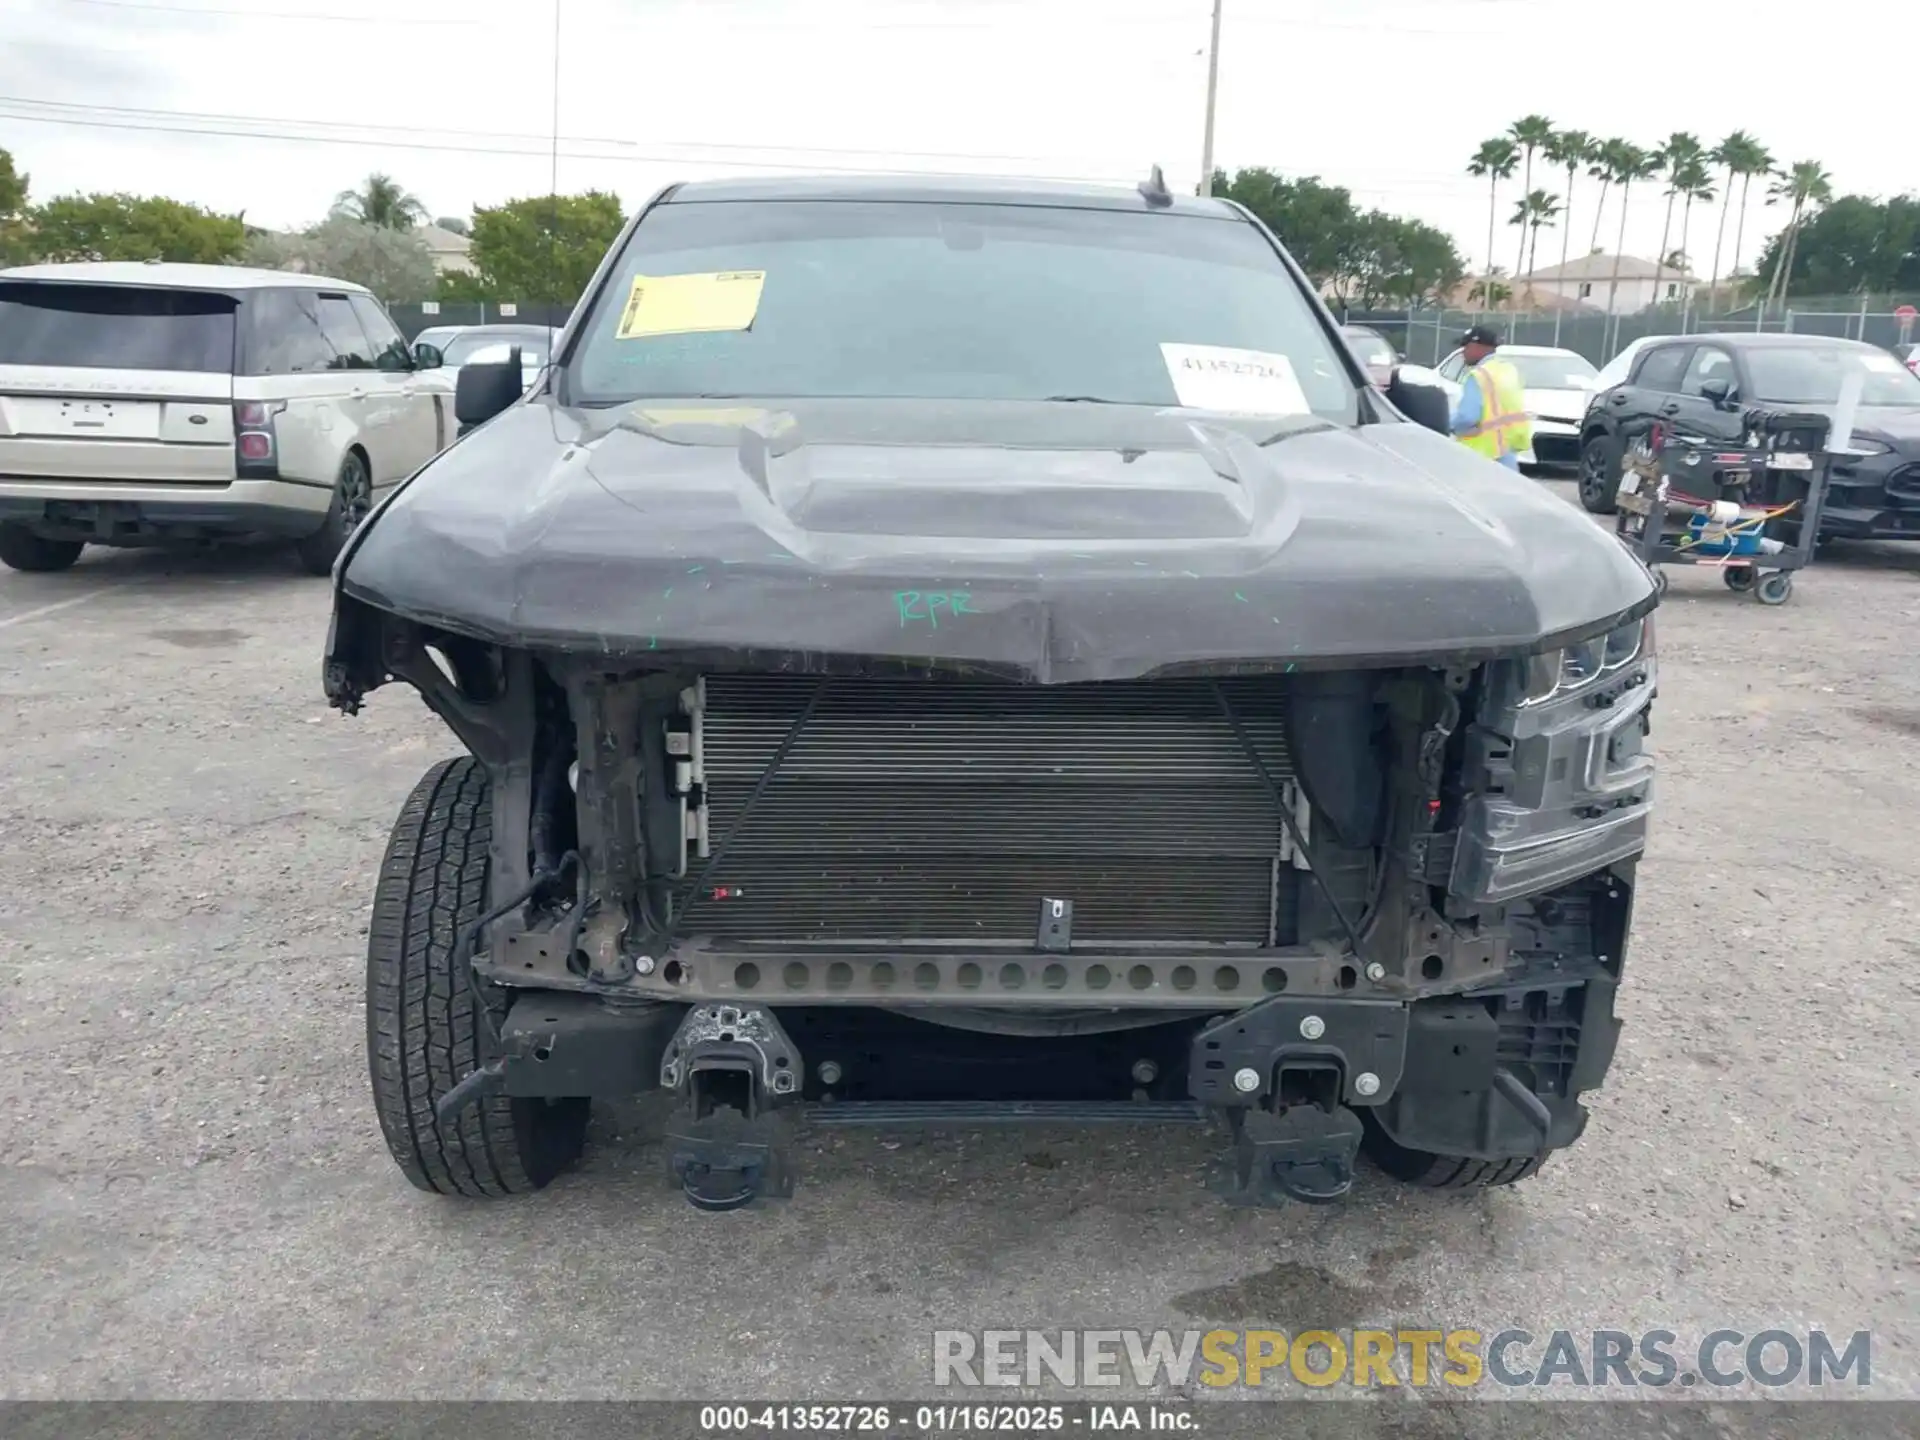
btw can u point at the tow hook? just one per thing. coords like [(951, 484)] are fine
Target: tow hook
[(1301, 1153), (736, 1072)]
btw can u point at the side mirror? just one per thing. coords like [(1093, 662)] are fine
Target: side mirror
[(428, 357), (483, 391), (1719, 392), (1426, 405)]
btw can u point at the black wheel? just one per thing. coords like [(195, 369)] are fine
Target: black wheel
[(1739, 578), (1659, 582), (21, 549), (352, 499), (1599, 476), (1442, 1172), (422, 1035), (1774, 589)]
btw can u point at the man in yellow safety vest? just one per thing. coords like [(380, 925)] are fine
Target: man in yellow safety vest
[(1492, 414)]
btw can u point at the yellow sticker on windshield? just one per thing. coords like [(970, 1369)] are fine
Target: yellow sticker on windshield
[(691, 304)]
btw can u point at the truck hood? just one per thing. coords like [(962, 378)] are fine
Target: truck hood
[(1054, 541)]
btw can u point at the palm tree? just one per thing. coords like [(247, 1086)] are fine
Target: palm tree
[(1601, 169), (382, 202), (1493, 162), (1536, 208), (1630, 163), (1489, 291), (1571, 148), (1756, 161), (1680, 151), (1529, 133), (1695, 182), (1730, 152), (1805, 187)]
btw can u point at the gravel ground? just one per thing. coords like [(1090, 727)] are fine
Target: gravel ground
[(197, 1202)]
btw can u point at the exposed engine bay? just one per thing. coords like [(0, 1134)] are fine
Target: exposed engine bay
[(1406, 872)]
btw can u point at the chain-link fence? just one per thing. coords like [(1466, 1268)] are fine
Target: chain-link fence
[(412, 319), (1426, 337)]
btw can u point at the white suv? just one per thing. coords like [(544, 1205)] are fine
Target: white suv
[(143, 404)]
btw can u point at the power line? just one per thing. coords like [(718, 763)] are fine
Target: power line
[(197, 117), (1024, 17), (633, 158), (250, 14)]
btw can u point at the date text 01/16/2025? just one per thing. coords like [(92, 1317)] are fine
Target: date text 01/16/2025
[(935, 1420)]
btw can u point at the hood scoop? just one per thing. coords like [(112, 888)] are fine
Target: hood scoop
[(980, 493)]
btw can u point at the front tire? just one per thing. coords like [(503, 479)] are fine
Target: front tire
[(1599, 476), (21, 549), (423, 1034), (1443, 1172), (352, 499)]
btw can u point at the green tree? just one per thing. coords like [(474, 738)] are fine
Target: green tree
[(1395, 260), (394, 264), (1679, 155), (1489, 292), (1695, 182), (544, 249), (1755, 162), (1733, 154), (1358, 258), (1529, 133), (13, 212), (134, 227), (1535, 210), (1629, 163), (1858, 245), (1600, 168), (1493, 162), (1571, 148), (1318, 223), (381, 201), (1805, 187)]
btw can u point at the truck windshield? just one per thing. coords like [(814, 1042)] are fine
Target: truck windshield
[(771, 299)]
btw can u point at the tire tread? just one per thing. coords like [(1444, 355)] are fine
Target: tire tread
[(423, 1032)]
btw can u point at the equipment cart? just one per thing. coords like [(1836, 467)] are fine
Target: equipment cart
[(1750, 511)]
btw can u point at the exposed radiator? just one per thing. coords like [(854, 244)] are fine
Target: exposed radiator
[(943, 811)]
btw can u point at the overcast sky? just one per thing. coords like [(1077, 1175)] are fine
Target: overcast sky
[(1386, 97)]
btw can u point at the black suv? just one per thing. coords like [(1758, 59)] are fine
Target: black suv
[(1717, 389), (952, 653)]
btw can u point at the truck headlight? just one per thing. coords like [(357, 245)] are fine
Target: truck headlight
[(1564, 781), (1575, 666)]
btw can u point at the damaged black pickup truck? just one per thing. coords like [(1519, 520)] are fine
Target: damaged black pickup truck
[(953, 653)]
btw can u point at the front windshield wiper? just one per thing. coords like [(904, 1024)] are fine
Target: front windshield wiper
[(1086, 400)]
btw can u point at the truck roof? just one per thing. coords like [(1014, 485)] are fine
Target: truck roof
[(945, 189)]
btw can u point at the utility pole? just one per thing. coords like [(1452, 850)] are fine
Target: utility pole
[(1213, 86)]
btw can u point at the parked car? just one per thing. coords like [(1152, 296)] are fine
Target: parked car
[(1711, 388), (974, 651), (1616, 369), (1558, 384), (1909, 356), (1374, 351), (146, 404), (486, 344)]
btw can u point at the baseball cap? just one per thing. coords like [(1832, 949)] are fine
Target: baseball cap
[(1481, 335)]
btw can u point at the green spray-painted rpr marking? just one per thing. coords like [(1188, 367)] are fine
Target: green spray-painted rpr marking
[(916, 607)]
